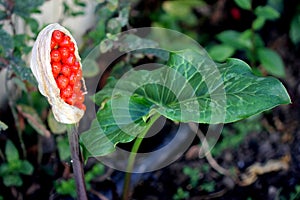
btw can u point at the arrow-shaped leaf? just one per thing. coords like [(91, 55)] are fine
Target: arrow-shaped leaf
[(191, 88)]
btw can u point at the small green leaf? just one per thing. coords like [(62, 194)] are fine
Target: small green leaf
[(79, 3), (245, 4), (77, 13), (19, 83), (114, 26), (22, 71), (33, 119), (3, 15), (124, 15), (33, 24), (55, 126), (24, 8), (3, 126), (12, 180), (26, 168), (220, 53), (271, 62), (258, 23), (11, 152), (6, 43), (132, 42), (4, 169), (181, 9), (233, 38), (63, 148), (267, 12), (295, 29), (66, 187), (90, 68)]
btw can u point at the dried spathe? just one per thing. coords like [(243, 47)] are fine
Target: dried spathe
[(55, 63)]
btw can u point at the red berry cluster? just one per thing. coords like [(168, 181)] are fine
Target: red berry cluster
[(66, 69)]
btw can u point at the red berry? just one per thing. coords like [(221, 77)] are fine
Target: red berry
[(69, 60), (67, 92), (57, 36), (72, 79), (79, 75), (55, 56), (75, 67), (72, 47), (71, 100), (53, 44), (64, 52), (66, 41), (56, 68), (81, 106), (77, 87), (80, 97), (62, 82), (65, 70)]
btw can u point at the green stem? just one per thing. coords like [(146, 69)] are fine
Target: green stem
[(77, 163), (132, 157)]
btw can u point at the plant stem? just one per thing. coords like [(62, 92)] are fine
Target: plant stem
[(77, 162), (132, 156)]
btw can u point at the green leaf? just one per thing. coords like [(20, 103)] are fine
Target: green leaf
[(90, 68), (4, 169), (114, 26), (33, 24), (124, 15), (181, 9), (66, 187), (3, 15), (19, 83), (234, 39), (267, 12), (33, 119), (63, 148), (191, 88), (22, 71), (11, 152), (258, 23), (26, 168), (221, 52), (79, 3), (6, 43), (3, 126), (24, 8), (245, 4), (12, 180), (55, 126), (271, 62), (295, 29)]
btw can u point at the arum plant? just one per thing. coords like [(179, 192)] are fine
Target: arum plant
[(190, 87)]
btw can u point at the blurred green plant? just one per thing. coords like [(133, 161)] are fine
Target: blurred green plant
[(208, 186), (181, 194), (233, 136), (250, 41), (67, 187), (193, 174), (178, 15), (14, 167), (111, 17), (294, 31), (295, 195)]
